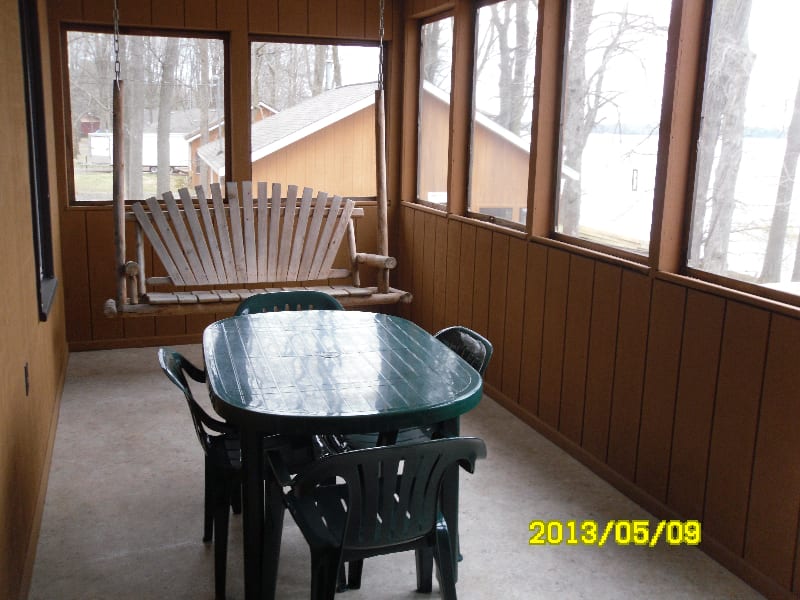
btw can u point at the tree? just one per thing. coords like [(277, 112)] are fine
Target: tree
[(166, 96), (132, 49)]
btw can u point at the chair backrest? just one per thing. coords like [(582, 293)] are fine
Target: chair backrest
[(176, 367), (468, 344), (389, 496), (288, 300)]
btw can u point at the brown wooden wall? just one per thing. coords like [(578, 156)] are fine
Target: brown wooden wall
[(685, 398), (27, 419)]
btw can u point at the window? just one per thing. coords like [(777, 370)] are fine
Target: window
[(173, 105), (37, 158), (503, 104), (436, 61), (611, 110), (746, 212), (313, 118)]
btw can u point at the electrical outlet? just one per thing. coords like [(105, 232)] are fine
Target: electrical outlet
[(27, 381)]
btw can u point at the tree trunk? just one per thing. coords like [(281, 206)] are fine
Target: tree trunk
[(134, 116), (203, 101), (773, 258), (165, 97)]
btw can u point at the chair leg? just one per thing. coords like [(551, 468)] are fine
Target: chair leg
[(208, 503), (424, 558), (236, 497), (445, 561), (221, 512), (324, 574), (354, 574)]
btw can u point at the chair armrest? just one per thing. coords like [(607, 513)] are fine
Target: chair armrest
[(379, 261)]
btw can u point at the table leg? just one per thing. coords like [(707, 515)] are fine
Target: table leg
[(451, 428), (252, 513), (273, 530)]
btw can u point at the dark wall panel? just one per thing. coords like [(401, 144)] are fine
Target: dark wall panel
[(555, 311), (533, 325)]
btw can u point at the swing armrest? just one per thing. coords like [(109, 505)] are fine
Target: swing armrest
[(379, 261)]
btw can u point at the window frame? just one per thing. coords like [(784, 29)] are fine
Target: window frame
[(46, 281)]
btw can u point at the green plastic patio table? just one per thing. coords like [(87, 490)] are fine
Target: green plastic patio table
[(325, 372)]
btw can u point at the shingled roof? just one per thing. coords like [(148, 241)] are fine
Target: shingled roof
[(297, 122)]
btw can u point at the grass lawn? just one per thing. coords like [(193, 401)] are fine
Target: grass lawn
[(96, 185)]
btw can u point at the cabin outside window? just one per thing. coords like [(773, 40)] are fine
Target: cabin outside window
[(613, 85), (505, 65), (173, 111), (746, 210), (436, 64), (313, 117)]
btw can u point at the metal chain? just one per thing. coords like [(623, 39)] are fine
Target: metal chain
[(380, 36), (117, 65)]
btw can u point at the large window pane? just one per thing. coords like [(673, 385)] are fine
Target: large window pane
[(313, 119), (173, 105), (610, 121), (501, 126), (746, 213), (436, 58)]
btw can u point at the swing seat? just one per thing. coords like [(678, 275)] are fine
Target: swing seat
[(218, 253)]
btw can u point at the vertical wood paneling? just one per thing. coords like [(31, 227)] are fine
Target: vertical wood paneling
[(576, 347), (453, 270), (771, 539), (322, 17), (67, 10), (372, 20), (100, 234), (660, 388), (293, 17), (76, 275), (98, 11), (480, 289), (440, 308), (626, 404), (555, 311), (135, 12), (404, 273), (350, 18), (263, 15), (533, 325), (515, 316), (201, 14), (734, 428), (169, 14), (602, 353), (429, 270), (497, 305), (466, 274), (694, 404), (419, 262)]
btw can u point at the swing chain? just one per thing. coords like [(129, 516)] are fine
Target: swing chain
[(117, 66), (380, 36)]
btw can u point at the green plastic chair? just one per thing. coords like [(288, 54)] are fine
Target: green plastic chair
[(221, 445), (363, 503), (288, 300)]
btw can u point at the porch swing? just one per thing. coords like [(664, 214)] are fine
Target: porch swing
[(217, 253)]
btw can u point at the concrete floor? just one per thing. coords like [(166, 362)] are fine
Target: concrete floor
[(123, 514)]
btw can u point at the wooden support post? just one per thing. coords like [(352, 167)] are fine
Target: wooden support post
[(380, 163), (118, 191)]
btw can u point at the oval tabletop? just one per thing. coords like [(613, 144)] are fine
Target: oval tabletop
[(333, 372)]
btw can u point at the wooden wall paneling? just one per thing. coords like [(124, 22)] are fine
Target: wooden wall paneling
[(102, 286), (555, 313), (733, 433), (576, 347), (404, 273), (660, 388), (197, 323), (65, 10), (428, 270), (532, 327), (76, 275), (498, 305), (136, 12), (202, 14), (263, 16), (372, 20), (453, 270), (694, 403), (98, 11), (169, 14), (322, 17), (293, 17), (772, 519), (626, 403), (482, 283), (466, 274), (515, 316), (350, 18), (440, 308), (418, 261)]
